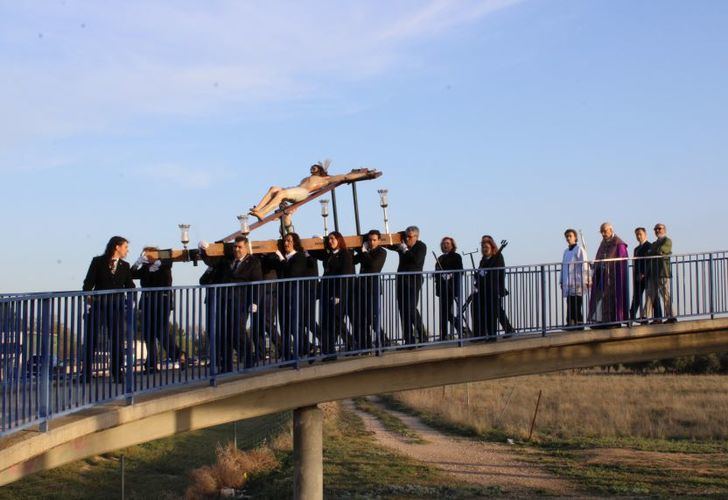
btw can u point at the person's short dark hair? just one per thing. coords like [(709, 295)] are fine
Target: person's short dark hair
[(374, 232), (114, 242), (638, 229), (572, 231), (240, 238)]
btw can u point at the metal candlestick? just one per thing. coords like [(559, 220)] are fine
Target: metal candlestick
[(325, 214), (384, 203)]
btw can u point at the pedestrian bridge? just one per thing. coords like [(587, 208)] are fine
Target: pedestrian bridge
[(54, 413)]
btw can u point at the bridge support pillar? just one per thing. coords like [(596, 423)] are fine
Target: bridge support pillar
[(308, 479)]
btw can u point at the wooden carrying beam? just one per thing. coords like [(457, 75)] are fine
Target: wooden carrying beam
[(261, 247)]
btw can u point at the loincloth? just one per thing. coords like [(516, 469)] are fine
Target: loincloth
[(296, 194)]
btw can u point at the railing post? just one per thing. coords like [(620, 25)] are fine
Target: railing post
[(543, 300), (376, 283), (212, 332), (45, 362), (296, 325), (129, 373), (711, 286)]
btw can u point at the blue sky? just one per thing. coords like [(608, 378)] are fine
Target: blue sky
[(513, 118)]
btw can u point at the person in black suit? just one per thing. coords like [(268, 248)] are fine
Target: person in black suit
[(293, 263), (267, 322), (107, 312), (490, 284), (235, 304), (336, 293), (367, 306), (412, 255), (156, 306), (447, 287), (639, 276)]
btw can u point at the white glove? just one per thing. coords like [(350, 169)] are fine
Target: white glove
[(336, 301), (155, 266), (141, 260), (280, 255), (253, 308), (203, 245), (403, 247), (365, 247)]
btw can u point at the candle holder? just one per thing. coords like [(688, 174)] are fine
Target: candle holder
[(384, 203), (184, 234), (244, 226), (325, 214)]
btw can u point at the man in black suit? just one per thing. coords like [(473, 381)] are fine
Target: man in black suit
[(412, 255), (367, 306), (639, 275), (235, 304), (293, 263), (156, 306), (107, 312)]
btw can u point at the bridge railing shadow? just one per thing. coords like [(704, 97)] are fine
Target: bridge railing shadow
[(64, 351)]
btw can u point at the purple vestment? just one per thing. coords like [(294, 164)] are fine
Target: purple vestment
[(608, 302)]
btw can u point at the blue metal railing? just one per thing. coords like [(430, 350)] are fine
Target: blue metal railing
[(60, 352)]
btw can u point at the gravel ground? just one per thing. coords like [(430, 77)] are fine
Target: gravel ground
[(477, 462)]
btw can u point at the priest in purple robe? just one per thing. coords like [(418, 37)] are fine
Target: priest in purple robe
[(608, 303)]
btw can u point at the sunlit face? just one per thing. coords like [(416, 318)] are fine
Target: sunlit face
[(410, 239), (446, 245), (374, 241), (333, 242), (641, 236), (607, 232), (570, 238), (486, 247), (660, 230), (288, 245), (121, 250), (240, 250)]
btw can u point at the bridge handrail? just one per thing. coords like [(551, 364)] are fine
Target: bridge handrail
[(60, 352)]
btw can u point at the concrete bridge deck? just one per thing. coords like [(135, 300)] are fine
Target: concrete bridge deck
[(155, 415)]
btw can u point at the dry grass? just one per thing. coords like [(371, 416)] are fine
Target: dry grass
[(232, 470), (573, 405)]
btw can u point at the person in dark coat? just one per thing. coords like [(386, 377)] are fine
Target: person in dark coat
[(490, 285), (639, 276), (448, 287), (267, 322), (336, 293), (235, 304), (412, 253), (293, 264), (367, 304), (107, 312), (155, 307)]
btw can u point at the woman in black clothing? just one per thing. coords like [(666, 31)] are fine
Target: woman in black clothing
[(336, 293), (107, 312), (490, 284), (447, 287)]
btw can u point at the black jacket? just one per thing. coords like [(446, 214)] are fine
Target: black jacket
[(339, 263), (412, 260), (448, 282), (371, 262), (295, 267), (160, 278), (491, 283), (99, 275)]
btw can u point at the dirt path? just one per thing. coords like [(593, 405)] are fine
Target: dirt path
[(482, 463)]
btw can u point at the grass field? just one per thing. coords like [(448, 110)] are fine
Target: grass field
[(663, 407)]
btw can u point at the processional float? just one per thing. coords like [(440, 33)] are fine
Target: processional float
[(279, 204)]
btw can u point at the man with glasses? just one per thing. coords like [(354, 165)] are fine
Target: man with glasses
[(659, 275), (412, 255)]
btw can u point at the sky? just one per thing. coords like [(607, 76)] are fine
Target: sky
[(511, 118)]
